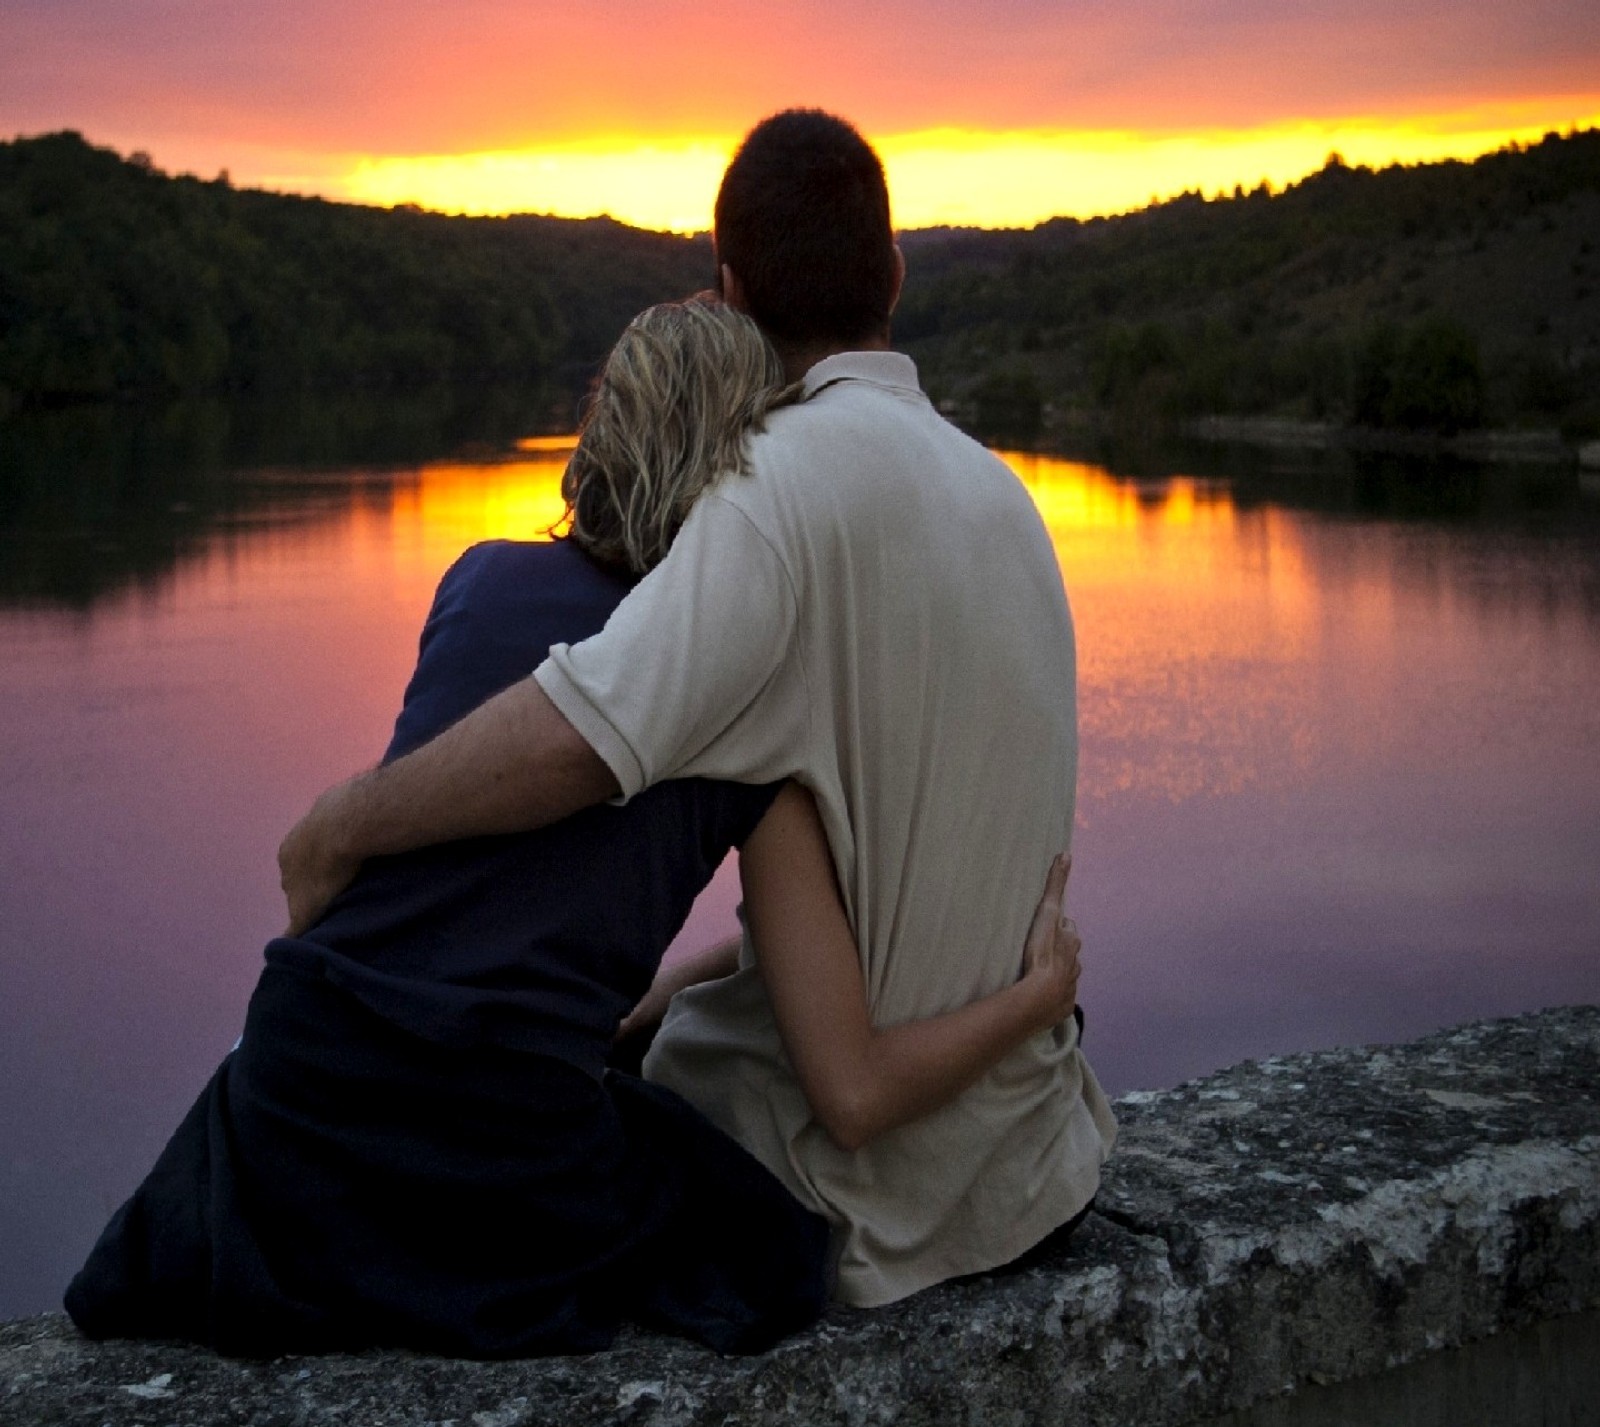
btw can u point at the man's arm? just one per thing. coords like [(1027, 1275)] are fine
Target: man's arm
[(513, 764), (685, 654)]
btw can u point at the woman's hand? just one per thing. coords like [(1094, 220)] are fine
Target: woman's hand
[(708, 965), (1050, 955), (862, 1079)]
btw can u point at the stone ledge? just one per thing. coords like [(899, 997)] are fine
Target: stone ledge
[(1313, 1218)]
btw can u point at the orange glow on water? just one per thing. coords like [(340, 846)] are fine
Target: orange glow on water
[(453, 505), (1204, 629), (1199, 624)]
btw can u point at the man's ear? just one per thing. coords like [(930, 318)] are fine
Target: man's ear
[(732, 289), (899, 277)]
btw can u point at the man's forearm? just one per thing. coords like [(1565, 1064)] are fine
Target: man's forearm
[(513, 764)]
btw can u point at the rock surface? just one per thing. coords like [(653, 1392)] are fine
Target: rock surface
[(1313, 1218)]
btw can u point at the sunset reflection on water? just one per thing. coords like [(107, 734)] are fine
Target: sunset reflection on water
[(450, 506), (1191, 619), (1193, 616), (1220, 647)]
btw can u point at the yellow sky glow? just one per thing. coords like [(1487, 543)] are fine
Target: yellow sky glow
[(945, 176)]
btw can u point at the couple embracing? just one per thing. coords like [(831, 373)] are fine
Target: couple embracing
[(797, 614)]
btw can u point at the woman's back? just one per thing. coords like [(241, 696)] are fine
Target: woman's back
[(542, 940)]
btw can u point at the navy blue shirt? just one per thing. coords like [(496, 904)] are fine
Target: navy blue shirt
[(542, 940)]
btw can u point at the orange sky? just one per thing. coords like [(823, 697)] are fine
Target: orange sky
[(1002, 113)]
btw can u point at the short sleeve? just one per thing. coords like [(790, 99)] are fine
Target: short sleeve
[(673, 684), (420, 718)]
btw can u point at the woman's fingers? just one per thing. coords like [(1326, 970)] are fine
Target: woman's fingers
[(1063, 921), (1048, 913), (1068, 942), (1068, 967), (1050, 958), (1055, 885)]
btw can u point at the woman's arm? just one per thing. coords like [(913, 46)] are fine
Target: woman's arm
[(862, 1081)]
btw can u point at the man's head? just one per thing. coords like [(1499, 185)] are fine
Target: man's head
[(803, 237)]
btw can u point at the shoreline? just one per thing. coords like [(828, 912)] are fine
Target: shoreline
[(1542, 447), (1058, 432)]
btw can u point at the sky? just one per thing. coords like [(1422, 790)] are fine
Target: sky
[(998, 114)]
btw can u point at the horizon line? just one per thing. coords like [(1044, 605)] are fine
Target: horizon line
[(922, 168)]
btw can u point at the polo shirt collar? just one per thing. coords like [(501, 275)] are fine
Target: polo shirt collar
[(885, 369)]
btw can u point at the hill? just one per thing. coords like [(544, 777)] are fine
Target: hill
[(1439, 296), (1434, 297), (117, 280)]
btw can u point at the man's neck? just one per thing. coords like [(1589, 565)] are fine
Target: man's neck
[(799, 359)]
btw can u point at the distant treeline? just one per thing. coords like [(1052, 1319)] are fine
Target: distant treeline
[(117, 280), (1441, 296)]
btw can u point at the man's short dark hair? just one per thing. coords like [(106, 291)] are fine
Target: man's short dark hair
[(803, 219)]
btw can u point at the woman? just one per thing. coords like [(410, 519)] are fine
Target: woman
[(416, 1143)]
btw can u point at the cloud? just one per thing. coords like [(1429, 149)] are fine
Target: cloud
[(414, 76)]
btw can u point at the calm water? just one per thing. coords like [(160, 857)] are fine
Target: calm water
[(1340, 779)]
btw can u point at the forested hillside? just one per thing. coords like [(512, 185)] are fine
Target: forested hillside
[(116, 280), (1438, 297)]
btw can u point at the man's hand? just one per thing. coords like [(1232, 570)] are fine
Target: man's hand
[(311, 868), (512, 764)]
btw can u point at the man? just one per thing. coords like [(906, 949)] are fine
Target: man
[(876, 612)]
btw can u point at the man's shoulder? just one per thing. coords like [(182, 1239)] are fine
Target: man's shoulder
[(859, 442)]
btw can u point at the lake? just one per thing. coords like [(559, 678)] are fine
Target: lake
[(1340, 771)]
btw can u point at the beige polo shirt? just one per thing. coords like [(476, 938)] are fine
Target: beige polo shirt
[(877, 611)]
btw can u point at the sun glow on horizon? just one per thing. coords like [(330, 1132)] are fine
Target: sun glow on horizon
[(948, 176)]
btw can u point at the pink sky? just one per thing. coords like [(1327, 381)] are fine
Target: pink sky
[(280, 90)]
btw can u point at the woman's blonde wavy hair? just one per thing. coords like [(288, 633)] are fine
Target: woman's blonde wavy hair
[(684, 387)]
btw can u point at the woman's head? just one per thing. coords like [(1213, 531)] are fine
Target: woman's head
[(681, 390)]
